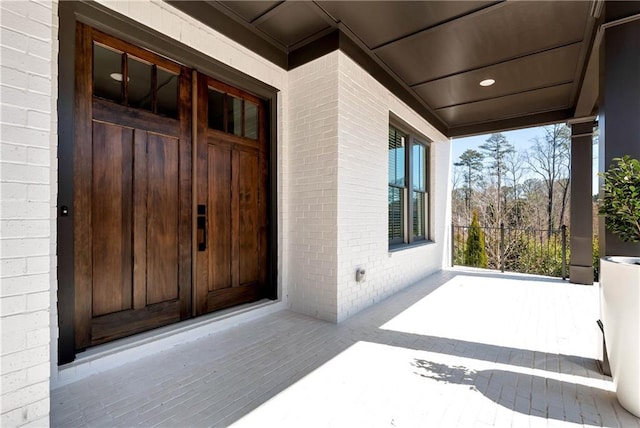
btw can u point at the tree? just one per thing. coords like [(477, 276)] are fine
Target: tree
[(471, 161), (496, 148), (514, 174), (549, 158), (475, 254)]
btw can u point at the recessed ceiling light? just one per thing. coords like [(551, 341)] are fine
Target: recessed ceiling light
[(117, 77), (487, 82)]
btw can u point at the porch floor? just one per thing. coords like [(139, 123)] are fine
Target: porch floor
[(460, 348)]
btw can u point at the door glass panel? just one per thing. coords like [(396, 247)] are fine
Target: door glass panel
[(216, 110), (234, 115), (167, 93), (140, 86), (250, 120), (107, 74)]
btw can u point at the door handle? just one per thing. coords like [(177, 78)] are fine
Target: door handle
[(202, 228)]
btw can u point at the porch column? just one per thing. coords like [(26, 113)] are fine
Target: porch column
[(581, 231), (619, 115)]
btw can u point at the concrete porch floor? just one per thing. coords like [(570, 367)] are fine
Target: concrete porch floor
[(458, 349)]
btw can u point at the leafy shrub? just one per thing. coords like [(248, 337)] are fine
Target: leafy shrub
[(621, 203)]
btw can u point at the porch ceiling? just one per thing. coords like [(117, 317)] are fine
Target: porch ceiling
[(434, 54)]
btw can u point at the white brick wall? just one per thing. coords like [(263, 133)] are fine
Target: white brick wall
[(338, 128), (28, 39), (313, 164), (364, 107)]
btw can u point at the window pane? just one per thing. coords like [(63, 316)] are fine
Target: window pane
[(234, 115), (396, 157), (140, 88), (167, 93), (418, 215), (107, 74), (418, 160), (216, 110), (250, 120), (396, 209)]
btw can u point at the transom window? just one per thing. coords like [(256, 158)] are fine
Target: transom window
[(232, 114), (408, 188), (126, 79)]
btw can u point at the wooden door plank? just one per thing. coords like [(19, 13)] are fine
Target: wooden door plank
[(82, 188), (263, 231), (221, 299), (202, 257), (263, 197), (140, 220), (108, 111), (185, 195), (235, 217), (162, 218), (248, 231), (220, 214), (119, 324), (111, 218)]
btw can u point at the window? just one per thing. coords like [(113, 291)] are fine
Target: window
[(233, 114), (125, 79), (408, 188)]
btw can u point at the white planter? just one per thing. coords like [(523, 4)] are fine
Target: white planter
[(620, 314)]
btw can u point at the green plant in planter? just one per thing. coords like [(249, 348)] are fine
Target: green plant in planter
[(621, 203)]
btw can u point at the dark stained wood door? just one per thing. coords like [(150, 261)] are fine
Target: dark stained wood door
[(132, 208), (231, 182)]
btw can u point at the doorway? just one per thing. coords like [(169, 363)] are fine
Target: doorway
[(161, 193)]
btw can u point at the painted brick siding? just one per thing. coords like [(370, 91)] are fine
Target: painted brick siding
[(363, 114), (313, 163), (28, 39)]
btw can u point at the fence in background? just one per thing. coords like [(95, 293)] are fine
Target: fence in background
[(533, 251)]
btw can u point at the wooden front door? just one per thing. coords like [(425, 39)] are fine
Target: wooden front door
[(231, 182), (132, 190)]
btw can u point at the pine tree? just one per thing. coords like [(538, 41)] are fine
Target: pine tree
[(496, 148), (471, 161), (475, 254)]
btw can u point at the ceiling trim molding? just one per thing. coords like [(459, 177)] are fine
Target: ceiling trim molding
[(501, 62), (236, 29), (508, 94), (468, 15), (539, 119), (223, 21), (389, 81), (316, 49)]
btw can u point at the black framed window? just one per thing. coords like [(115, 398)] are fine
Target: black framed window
[(419, 189), (397, 185), (408, 201)]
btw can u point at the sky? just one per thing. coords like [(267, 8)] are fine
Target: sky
[(521, 140)]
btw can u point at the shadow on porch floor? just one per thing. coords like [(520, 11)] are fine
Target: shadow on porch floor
[(459, 348)]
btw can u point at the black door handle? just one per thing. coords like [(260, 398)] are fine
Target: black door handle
[(202, 228)]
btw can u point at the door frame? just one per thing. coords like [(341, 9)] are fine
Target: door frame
[(110, 22)]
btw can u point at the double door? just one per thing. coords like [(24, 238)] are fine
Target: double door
[(169, 215)]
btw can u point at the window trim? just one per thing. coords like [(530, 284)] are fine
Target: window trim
[(413, 137)]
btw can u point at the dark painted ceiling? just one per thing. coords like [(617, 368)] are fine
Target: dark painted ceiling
[(433, 54)]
